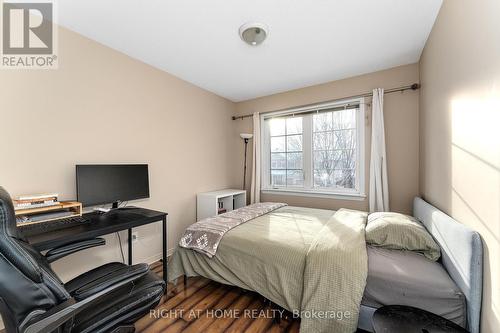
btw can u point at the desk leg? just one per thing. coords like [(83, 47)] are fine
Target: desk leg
[(130, 246), (164, 259)]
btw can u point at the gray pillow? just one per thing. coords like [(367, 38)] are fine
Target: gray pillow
[(400, 232)]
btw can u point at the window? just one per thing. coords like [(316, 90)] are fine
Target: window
[(316, 150), (286, 137)]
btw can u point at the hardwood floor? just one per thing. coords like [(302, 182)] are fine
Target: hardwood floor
[(207, 306), (199, 307)]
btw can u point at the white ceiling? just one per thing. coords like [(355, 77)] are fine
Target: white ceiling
[(309, 42)]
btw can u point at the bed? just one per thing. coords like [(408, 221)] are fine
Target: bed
[(266, 255)]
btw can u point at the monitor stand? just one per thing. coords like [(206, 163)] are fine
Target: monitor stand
[(115, 207)]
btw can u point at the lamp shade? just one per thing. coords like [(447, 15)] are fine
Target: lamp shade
[(246, 135)]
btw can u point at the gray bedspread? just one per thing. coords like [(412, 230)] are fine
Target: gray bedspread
[(312, 262)]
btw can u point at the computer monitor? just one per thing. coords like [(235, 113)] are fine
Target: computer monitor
[(99, 184)]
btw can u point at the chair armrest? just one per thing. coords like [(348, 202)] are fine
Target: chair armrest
[(60, 314), (67, 249), (103, 282)]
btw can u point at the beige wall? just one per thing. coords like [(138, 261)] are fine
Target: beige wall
[(460, 139), (401, 125), (101, 106)]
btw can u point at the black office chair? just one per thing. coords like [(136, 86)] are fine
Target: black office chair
[(33, 299)]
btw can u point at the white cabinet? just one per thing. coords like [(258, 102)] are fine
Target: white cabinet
[(209, 204)]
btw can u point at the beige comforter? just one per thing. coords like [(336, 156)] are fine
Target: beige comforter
[(312, 262)]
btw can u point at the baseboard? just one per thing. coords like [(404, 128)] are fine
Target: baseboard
[(158, 256)]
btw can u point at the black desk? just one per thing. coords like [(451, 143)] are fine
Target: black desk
[(102, 224)]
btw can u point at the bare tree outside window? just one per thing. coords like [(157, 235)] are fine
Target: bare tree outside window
[(334, 149), (315, 151)]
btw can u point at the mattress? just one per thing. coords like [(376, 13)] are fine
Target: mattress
[(408, 278)]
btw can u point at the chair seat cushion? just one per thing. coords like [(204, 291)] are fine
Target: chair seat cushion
[(103, 282), (92, 275), (123, 306)]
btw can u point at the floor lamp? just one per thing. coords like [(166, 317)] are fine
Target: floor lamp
[(246, 137)]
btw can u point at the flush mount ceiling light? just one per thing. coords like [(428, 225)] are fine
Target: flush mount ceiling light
[(253, 33)]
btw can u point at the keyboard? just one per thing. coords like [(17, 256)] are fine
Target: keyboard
[(41, 227)]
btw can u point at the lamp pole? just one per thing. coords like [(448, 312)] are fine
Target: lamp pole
[(245, 165), (245, 137)]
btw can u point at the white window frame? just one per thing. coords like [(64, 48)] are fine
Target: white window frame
[(357, 193)]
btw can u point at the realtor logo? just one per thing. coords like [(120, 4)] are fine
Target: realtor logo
[(28, 35)]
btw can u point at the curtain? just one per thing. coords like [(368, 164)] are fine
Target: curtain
[(379, 191), (255, 189)]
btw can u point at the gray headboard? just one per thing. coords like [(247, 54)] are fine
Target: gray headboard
[(462, 255)]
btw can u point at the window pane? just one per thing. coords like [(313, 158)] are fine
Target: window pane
[(323, 141), (294, 125), (334, 159), (277, 126), (335, 178), (278, 177), (294, 161), (278, 144), (295, 178), (323, 122), (344, 139), (344, 119), (278, 161), (323, 159), (323, 178), (294, 143), (344, 178), (345, 159)]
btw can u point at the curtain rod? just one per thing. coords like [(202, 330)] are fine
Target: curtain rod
[(414, 86)]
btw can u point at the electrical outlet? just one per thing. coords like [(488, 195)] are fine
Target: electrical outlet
[(135, 236)]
